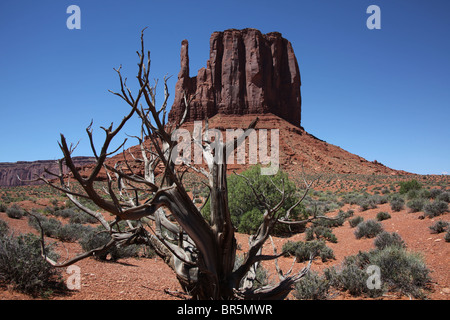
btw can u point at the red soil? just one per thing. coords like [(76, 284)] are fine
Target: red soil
[(151, 279)]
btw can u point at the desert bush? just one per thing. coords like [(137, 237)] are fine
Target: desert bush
[(53, 228), (3, 207), (303, 250), (312, 287), (94, 239), (320, 232), (447, 235), (435, 208), (82, 218), (250, 221), (397, 203), (412, 194), (382, 215), (368, 229), (400, 271), (367, 203), (351, 278), (50, 226), (15, 212), (4, 228), (336, 222), (246, 209), (75, 215), (289, 248), (72, 232), (406, 186), (444, 196), (439, 226), (416, 205), (22, 266), (385, 239), (434, 193), (424, 194), (64, 213), (355, 221)]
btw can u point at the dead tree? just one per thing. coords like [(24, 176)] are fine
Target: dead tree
[(201, 253)]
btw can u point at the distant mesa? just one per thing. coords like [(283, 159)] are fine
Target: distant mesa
[(10, 172), (247, 73)]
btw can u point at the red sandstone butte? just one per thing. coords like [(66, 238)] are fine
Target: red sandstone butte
[(247, 73)]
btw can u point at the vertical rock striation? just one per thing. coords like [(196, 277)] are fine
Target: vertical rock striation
[(247, 73)]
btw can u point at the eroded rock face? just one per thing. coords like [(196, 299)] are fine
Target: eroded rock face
[(247, 73), (30, 170)]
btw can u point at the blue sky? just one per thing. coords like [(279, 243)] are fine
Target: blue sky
[(382, 94)]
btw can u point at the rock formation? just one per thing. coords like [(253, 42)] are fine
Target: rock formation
[(247, 73), (30, 170)]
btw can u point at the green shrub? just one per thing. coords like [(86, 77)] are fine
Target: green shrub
[(22, 266), (50, 226), (14, 212), (435, 208), (416, 205), (444, 196), (64, 213), (368, 229), (72, 232), (304, 250), (439, 226), (3, 207), (336, 221), (75, 215), (352, 279), (94, 239), (397, 203), (400, 271), (53, 228), (4, 228), (312, 287), (82, 218), (366, 204), (320, 232), (434, 193), (355, 221), (250, 221), (412, 194), (244, 205), (447, 235), (383, 216), (289, 248), (406, 186), (424, 194), (386, 239)]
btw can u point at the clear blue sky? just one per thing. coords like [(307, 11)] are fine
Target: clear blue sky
[(382, 94)]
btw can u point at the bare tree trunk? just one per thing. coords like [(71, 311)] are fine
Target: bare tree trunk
[(201, 253)]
